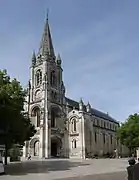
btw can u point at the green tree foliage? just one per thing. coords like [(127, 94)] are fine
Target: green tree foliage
[(128, 133), (15, 126), (15, 152)]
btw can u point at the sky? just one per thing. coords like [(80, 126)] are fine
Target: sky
[(98, 41)]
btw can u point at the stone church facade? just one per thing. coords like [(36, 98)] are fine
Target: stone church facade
[(65, 128)]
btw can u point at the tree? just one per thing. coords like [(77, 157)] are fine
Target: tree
[(14, 123), (128, 133)]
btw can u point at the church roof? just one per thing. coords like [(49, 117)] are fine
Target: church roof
[(94, 112), (72, 103), (46, 45)]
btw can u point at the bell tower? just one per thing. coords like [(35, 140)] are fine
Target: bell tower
[(46, 95)]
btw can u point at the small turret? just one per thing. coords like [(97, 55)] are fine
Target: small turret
[(81, 105), (29, 85), (33, 58), (63, 87), (58, 60), (88, 107)]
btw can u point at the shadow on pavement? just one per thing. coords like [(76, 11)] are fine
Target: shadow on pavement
[(106, 176), (29, 167)]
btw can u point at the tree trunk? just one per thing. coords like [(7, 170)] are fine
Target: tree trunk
[(130, 152), (6, 153)]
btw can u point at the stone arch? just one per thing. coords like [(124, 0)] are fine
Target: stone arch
[(34, 146), (55, 107), (73, 117), (35, 105), (54, 113), (32, 141), (56, 145), (36, 113), (73, 123), (37, 94)]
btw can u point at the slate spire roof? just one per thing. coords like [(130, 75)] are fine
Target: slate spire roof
[(33, 58), (46, 45)]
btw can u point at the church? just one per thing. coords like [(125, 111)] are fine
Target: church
[(65, 128)]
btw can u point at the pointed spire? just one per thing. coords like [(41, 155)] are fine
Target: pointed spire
[(58, 59), (46, 45), (88, 107), (33, 58), (81, 101), (63, 87), (81, 104)]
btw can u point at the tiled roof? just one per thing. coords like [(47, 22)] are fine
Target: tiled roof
[(94, 112)]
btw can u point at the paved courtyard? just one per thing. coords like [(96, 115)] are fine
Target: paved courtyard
[(96, 169)]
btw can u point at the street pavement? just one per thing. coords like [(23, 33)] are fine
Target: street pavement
[(107, 176), (96, 169)]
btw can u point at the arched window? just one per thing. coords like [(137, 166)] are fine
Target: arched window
[(104, 124), (111, 139), (54, 96), (74, 125), (95, 137), (38, 77), (36, 148), (38, 118), (104, 140), (38, 94), (74, 143), (53, 78), (98, 122), (53, 117), (36, 114)]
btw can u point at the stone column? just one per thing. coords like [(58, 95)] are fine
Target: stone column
[(46, 141), (49, 142), (41, 153), (100, 144), (137, 151), (25, 150), (82, 136), (47, 137), (66, 145)]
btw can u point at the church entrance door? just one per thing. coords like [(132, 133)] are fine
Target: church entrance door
[(36, 148), (54, 149), (56, 145)]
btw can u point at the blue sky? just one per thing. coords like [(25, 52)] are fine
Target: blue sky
[(98, 41)]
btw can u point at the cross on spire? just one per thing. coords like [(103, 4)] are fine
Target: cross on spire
[(46, 45), (47, 14)]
